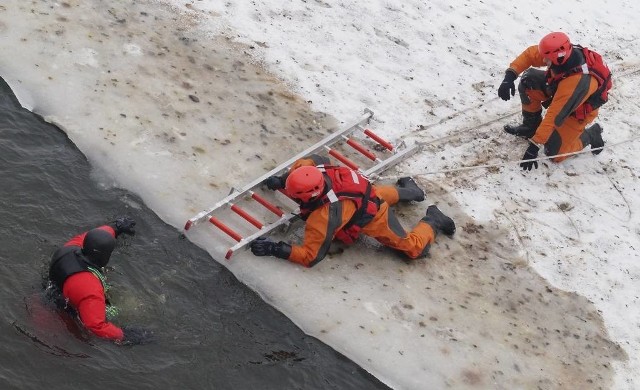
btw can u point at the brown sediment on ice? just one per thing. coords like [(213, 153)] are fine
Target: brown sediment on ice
[(168, 90), (506, 325), (188, 101)]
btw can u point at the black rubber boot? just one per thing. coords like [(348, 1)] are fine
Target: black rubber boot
[(593, 136), (438, 221), (408, 190), (530, 123)]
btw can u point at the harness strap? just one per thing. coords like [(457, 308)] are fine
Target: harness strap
[(331, 195), (100, 276), (356, 219)]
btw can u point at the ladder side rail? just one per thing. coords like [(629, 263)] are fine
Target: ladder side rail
[(204, 215), (391, 161)]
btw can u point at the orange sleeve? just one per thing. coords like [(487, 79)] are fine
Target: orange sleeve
[(301, 163), (310, 160), (571, 92), (528, 58), (319, 231)]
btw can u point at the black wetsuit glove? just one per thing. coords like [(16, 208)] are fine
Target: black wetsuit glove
[(274, 183), (135, 335), (530, 153), (124, 225), (507, 88), (520, 131), (263, 246)]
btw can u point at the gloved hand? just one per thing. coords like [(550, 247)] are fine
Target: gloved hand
[(520, 131), (274, 183), (507, 88), (263, 246), (135, 335), (124, 225), (532, 152)]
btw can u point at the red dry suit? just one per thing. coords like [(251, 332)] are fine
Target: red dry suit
[(83, 287)]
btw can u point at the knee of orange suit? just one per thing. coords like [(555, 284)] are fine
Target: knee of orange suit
[(566, 139)]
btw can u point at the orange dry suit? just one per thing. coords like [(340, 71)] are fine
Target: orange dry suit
[(351, 205), (563, 90)]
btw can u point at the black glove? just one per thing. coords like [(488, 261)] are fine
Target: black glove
[(520, 131), (508, 87), (532, 152), (134, 335), (274, 183), (263, 246), (124, 225)]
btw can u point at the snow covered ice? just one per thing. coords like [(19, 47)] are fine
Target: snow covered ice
[(179, 101)]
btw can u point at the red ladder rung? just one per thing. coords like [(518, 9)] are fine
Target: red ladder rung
[(225, 228), (360, 148), (379, 140), (236, 209), (270, 206), (343, 159)]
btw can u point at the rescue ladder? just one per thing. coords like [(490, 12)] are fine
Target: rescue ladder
[(275, 205)]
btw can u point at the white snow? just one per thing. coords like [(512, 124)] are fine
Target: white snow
[(539, 287)]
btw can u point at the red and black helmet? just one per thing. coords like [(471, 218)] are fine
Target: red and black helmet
[(555, 47), (305, 183)]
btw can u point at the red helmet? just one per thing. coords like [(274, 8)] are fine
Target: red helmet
[(305, 183), (555, 47)]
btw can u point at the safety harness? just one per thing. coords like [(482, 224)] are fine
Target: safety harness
[(594, 65), (343, 183), (68, 261)]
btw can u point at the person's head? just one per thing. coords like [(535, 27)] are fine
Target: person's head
[(555, 48), (97, 247), (305, 183)]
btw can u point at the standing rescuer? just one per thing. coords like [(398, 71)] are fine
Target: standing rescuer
[(338, 202), (75, 271), (574, 86)]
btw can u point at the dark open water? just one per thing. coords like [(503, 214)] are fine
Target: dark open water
[(212, 332)]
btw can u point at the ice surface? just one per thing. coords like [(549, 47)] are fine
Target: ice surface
[(179, 101)]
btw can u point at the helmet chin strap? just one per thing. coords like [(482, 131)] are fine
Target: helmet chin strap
[(562, 57)]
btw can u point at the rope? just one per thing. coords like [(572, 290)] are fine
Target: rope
[(627, 72), (514, 162)]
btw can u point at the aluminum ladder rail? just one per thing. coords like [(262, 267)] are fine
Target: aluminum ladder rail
[(286, 217)]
